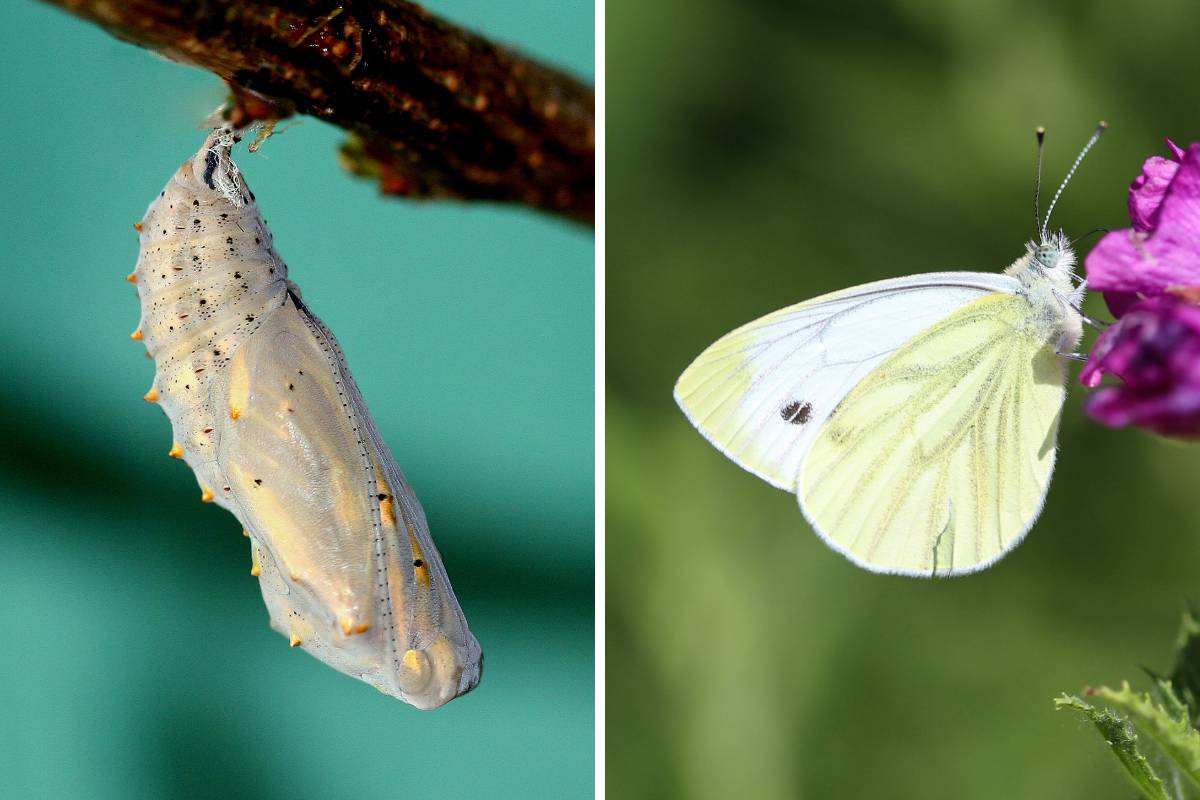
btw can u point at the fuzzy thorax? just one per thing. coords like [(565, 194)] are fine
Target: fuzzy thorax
[(1047, 276)]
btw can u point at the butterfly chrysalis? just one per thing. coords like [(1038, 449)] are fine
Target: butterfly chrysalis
[(266, 413)]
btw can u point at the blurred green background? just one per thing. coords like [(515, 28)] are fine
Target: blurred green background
[(760, 153), (136, 659)]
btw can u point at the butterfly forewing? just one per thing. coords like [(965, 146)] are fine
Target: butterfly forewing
[(762, 393)]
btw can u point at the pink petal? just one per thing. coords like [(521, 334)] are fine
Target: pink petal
[(1179, 217), (1147, 191), (1120, 302), (1155, 352)]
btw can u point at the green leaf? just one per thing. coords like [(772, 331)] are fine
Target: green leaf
[(1174, 734), (1170, 698), (1122, 740), (1185, 675)]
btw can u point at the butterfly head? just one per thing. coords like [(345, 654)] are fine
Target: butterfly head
[(1051, 256), (1047, 253)]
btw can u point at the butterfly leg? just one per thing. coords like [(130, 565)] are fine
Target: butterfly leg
[(1073, 356), (1075, 301)]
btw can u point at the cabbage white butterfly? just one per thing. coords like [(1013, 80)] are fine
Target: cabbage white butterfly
[(265, 411), (915, 418)]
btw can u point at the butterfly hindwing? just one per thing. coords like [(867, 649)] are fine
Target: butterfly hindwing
[(939, 460)]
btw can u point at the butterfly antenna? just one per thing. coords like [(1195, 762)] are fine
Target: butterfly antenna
[(1037, 182), (1100, 128)]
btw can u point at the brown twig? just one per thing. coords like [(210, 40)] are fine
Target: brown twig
[(434, 110)]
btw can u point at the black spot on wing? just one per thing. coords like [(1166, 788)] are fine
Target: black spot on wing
[(796, 412)]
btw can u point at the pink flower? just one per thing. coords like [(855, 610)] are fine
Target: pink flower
[(1161, 252), (1150, 276), (1155, 350)]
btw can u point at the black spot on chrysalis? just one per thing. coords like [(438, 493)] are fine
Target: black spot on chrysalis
[(210, 166)]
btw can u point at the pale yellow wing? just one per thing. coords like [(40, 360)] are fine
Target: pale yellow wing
[(938, 461)]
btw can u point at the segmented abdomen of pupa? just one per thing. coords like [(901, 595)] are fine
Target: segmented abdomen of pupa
[(207, 275)]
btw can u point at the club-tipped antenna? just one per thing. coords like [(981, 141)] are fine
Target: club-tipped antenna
[(1100, 128), (1040, 132)]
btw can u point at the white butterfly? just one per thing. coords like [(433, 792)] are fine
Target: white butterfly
[(915, 418)]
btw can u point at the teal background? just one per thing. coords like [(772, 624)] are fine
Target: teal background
[(135, 655), (761, 153)]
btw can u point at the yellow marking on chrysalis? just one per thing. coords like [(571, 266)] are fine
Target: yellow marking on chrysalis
[(245, 533), (151, 396), (350, 626), (420, 566), (295, 641), (176, 450), (291, 560), (137, 226), (206, 496), (136, 335), (239, 385), (387, 506), (131, 277), (417, 672), (255, 564), (387, 512)]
